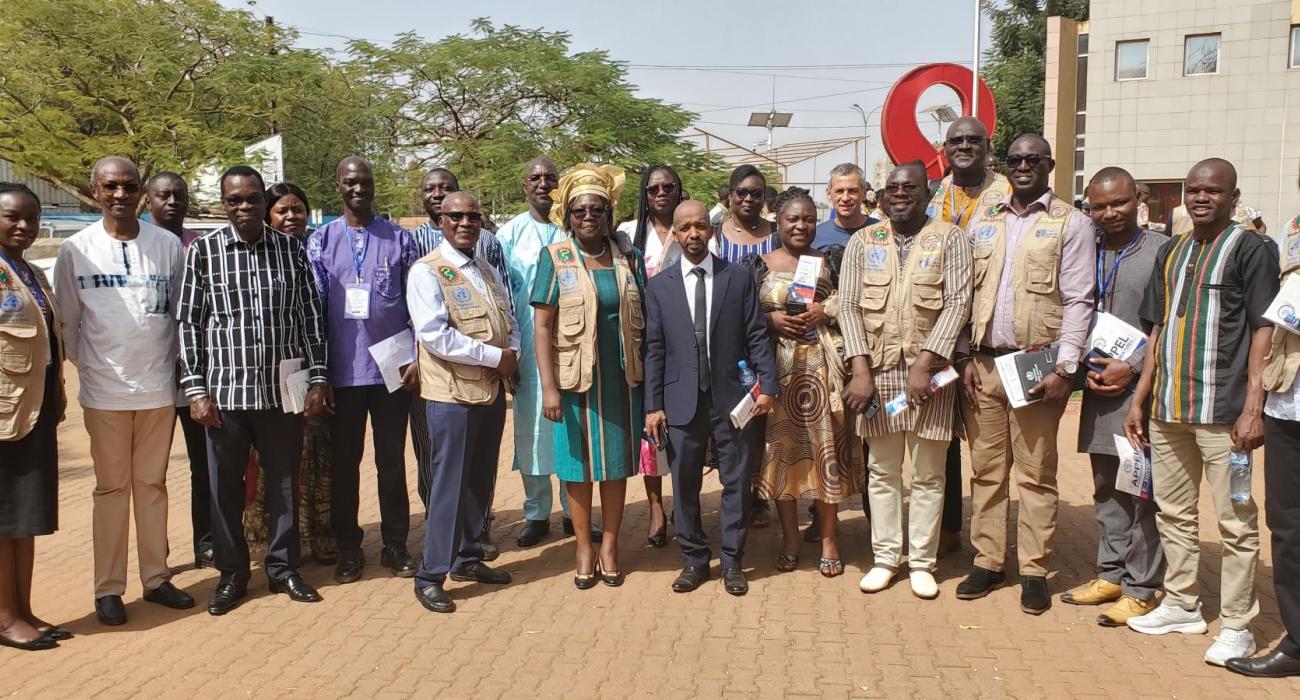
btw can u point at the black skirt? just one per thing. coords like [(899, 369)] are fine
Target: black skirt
[(29, 472)]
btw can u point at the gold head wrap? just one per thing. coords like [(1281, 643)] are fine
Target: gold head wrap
[(586, 178)]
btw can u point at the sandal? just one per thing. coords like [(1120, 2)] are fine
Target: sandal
[(830, 568), (787, 562)]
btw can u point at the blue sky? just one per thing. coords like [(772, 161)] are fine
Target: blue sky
[(796, 42)]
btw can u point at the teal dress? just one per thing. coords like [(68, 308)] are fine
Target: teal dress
[(599, 436)]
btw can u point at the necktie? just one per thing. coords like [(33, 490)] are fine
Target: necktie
[(702, 328)]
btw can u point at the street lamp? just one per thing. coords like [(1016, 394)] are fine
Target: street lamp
[(941, 114), (866, 130), (770, 120)]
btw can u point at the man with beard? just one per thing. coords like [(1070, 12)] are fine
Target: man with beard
[(905, 298)]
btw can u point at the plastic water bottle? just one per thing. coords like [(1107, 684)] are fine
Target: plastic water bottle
[(1239, 476), (747, 377)]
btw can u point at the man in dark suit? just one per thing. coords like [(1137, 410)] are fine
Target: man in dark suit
[(692, 384)]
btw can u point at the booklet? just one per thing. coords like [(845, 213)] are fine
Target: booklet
[(1134, 474), (939, 380), (744, 410), (1112, 337), (805, 278), (1033, 366), (392, 354), (294, 381), (1284, 311)]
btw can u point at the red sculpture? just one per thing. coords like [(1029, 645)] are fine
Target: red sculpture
[(900, 131)]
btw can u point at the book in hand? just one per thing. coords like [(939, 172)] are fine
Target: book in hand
[(294, 382), (1284, 311), (1032, 367), (744, 410), (1112, 337)]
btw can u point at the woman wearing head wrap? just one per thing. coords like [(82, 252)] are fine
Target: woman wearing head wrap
[(590, 322)]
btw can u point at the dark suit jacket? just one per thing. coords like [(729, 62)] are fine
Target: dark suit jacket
[(737, 332)]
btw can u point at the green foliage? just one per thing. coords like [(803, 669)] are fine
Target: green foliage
[(1014, 66)]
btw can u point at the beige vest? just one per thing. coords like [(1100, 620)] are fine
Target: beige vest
[(574, 338), (900, 307), (24, 352), (481, 316), (1283, 359), (993, 183), (1035, 268)]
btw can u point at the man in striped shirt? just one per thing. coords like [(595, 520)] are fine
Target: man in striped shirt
[(1203, 376)]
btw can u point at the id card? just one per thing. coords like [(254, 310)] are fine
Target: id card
[(896, 405), (357, 304)]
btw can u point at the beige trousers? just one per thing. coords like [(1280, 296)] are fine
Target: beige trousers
[(1180, 454), (130, 450), (1007, 441), (885, 491)]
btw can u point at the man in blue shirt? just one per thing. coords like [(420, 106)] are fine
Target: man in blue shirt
[(846, 191)]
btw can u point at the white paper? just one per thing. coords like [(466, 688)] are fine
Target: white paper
[(805, 276), (744, 410), (392, 354), (1111, 335), (943, 378), (293, 384), (1010, 377), (1134, 475), (897, 405), (1284, 311)]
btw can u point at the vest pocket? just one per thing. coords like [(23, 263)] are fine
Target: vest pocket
[(15, 362), (980, 259), (9, 405), (873, 302), (927, 297), (1040, 272), (567, 369), (572, 321), (477, 328)]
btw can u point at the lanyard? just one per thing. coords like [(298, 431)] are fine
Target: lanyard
[(358, 256), (1105, 280), (28, 278), (952, 205)]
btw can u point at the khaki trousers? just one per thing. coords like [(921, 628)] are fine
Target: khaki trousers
[(885, 492), (1006, 441), (130, 450), (1180, 454)]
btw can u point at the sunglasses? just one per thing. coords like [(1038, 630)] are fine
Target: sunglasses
[(127, 187), (457, 216), (742, 193), (1032, 160), (905, 187), (593, 213), (666, 188), (972, 139), (234, 201)]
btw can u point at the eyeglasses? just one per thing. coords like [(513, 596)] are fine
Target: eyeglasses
[(543, 178), (742, 193), (1032, 160), (904, 187), (972, 139), (234, 201), (456, 216), (666, 188), (127, 187), (592, 213)]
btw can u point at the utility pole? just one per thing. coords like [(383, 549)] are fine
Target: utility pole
[(975, 65)]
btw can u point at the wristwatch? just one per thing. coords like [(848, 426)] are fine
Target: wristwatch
[(1066, 370)]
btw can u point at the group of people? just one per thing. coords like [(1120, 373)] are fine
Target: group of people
[(801, 359)]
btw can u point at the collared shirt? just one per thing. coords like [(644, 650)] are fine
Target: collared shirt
[(1074, 280), (657, 255), (115, 302), (379, 256), (427, 237), (829, 232), (1208, 298), (244, 308), (691, 281), (432, 322)]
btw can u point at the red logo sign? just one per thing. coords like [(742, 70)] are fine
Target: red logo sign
[(900, 131)]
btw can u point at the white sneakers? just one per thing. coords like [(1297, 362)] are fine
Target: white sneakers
[(876, 580), (1230, 644), (1169, 618), (923, 585)]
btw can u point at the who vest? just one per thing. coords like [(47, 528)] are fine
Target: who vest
[(900, 308), (574, 338), (24, 352), (994, 183), (1035, 271), (481, 316), (1283, 359)]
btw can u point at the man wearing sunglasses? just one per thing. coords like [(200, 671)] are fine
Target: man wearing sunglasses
[(360, 262), (1033, 257)]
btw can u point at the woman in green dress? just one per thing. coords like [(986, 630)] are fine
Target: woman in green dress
[(590, 322)]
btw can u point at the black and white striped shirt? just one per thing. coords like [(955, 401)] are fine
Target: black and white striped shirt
[(243, 309)]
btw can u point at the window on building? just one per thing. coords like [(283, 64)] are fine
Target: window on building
[(1295, 47), (1131, 59), (1201, 54)]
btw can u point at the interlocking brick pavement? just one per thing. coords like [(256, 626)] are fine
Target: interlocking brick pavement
[(794, 635)]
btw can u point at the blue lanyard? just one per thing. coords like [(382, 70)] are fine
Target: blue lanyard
[(952, 204), (28, 280), (358, 257), (1105, 280)]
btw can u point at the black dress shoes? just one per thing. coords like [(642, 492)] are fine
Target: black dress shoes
[(481, 573), (733, 581), (110, 611), (690, 578), (203, 557), (41, 643), (399, 561), (531, 534), (1274, 664), (56, 633), (298, 590), (170, 596), (226, 598), (490, 551), (596, 533), (351, 562), (1034, 598), (979, 583), (434, 599)]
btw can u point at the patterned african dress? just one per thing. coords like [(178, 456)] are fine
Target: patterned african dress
[(599, 435), (314, 487), (811, 450)]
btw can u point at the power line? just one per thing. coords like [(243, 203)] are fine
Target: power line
[(811, 66), (795, 99)]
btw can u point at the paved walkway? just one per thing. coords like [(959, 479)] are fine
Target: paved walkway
[(794, 634)]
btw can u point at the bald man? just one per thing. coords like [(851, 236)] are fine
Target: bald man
[(114, 287), (1205, 304), (360, 262)]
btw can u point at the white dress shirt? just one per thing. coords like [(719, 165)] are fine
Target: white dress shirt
[(432, 323), (690, 280)]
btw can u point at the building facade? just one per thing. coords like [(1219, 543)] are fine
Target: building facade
[(1153, 86)]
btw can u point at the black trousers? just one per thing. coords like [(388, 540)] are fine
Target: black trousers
[(1282, 509), (278, 438), (952, 489), (196, 446), (421, 445), (388, 418), (734, 449)]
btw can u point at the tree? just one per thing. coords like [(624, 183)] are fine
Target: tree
[(1014, 66)]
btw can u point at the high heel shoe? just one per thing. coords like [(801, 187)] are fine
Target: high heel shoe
[(585, 581), (613, 579), (660, 538)]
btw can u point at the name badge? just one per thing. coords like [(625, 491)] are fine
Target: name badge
[(357, 304)]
